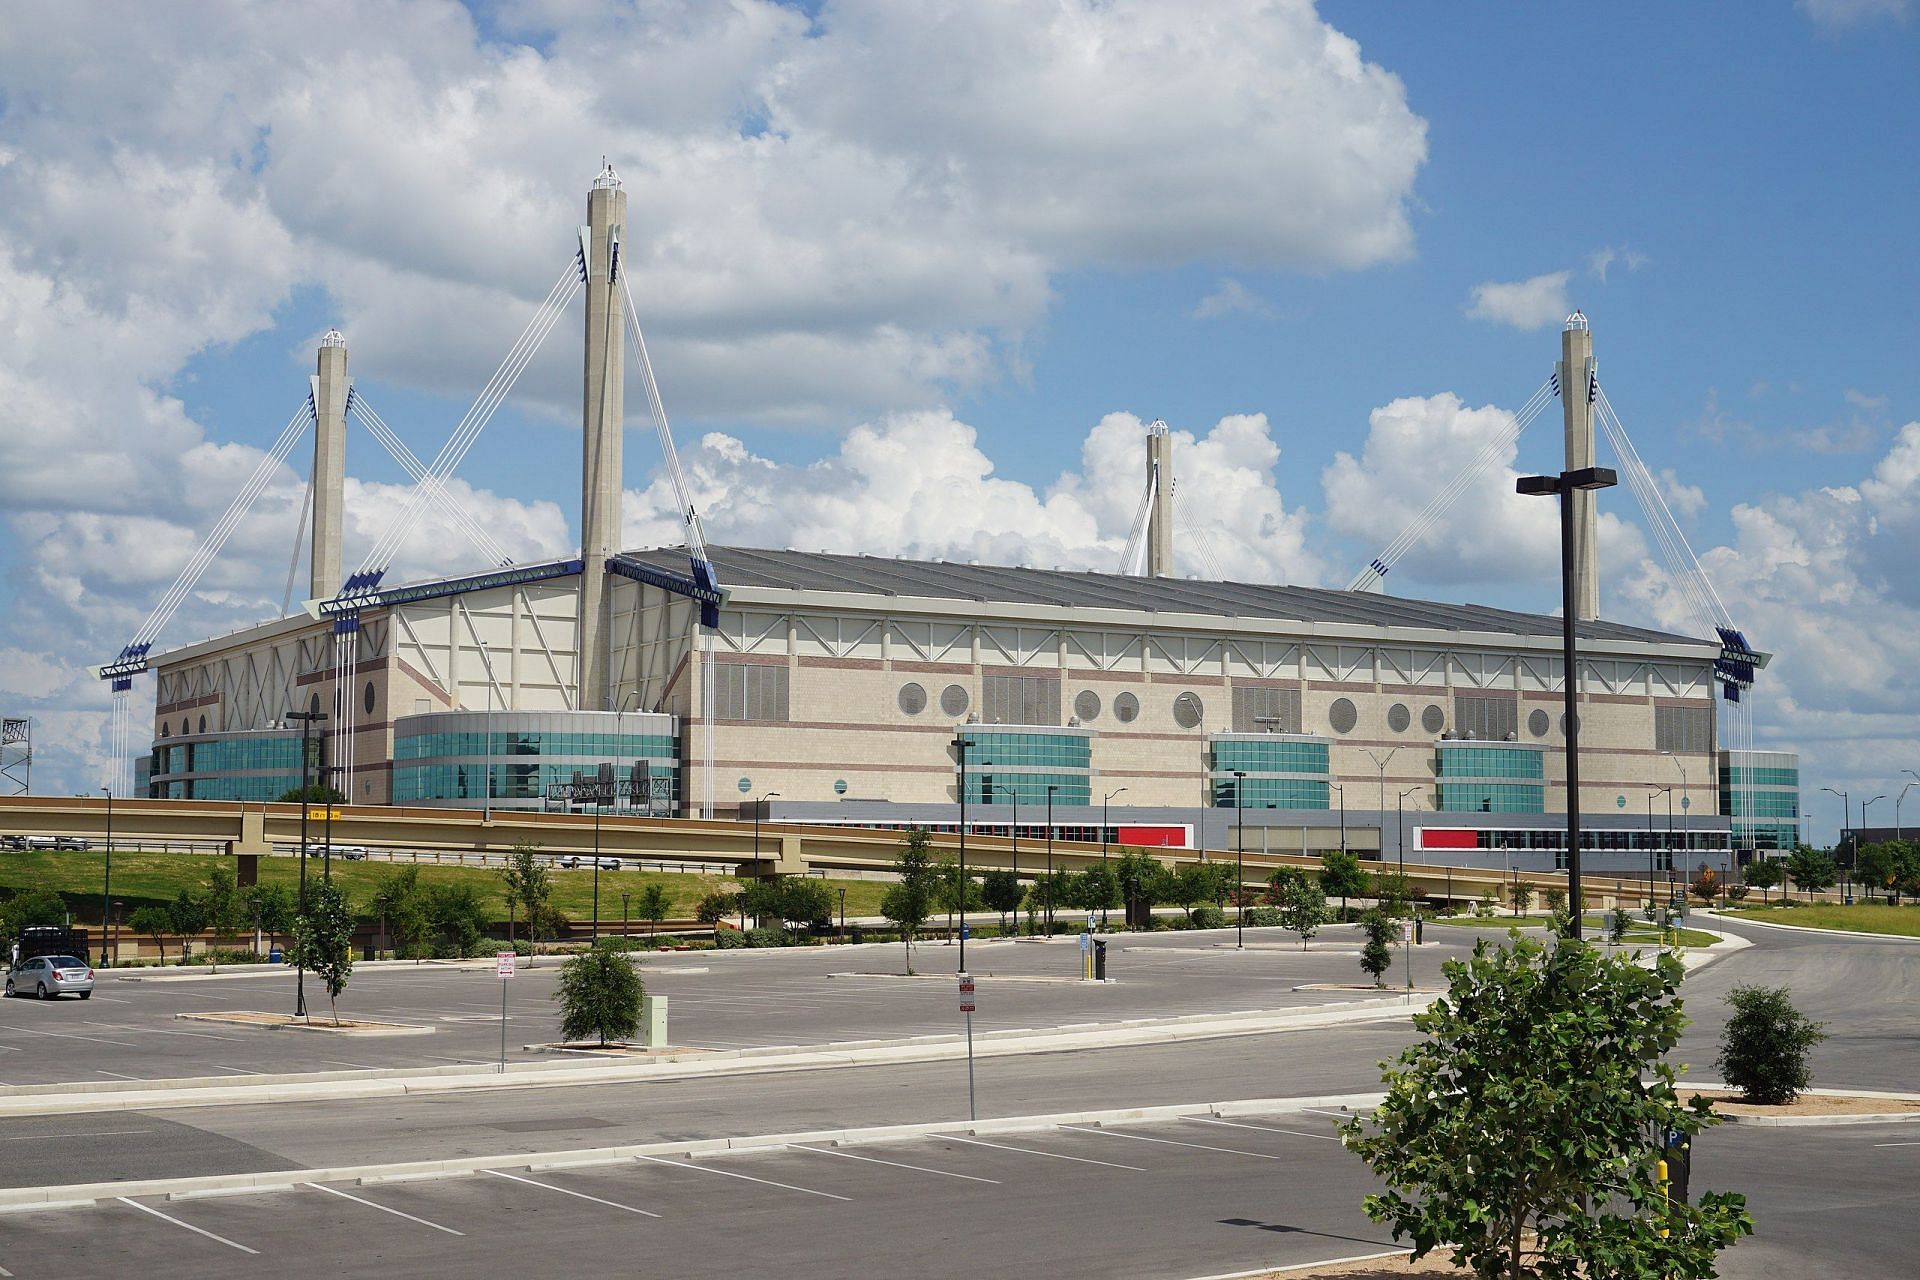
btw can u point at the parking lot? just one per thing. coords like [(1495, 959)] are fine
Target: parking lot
[(130, 1030)]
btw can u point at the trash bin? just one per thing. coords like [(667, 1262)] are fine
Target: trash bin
[(275, 956), (1419, 930), (1099, 959), (1679, 1157)]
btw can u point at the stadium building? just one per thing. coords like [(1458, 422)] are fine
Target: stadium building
[(1136, 708)]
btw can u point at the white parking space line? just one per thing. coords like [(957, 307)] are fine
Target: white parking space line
[(1172, 1142), (117, 1075), (156, 1031), (728, 1173), (1897, 1144), (1029, 1151), (1264, 1128), (5, 1272), (383, 1208), (199, 1231), (240, 1070), (357, 1066), (894, 1164), (578, 1195), (65, 1035), (62, 1137)]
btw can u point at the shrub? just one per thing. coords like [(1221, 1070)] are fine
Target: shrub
[(1376, 955), (1208, 916), (1764, 1047), (1617, 926), (231, 955), (1263, 917), (1483, 909), (766, 938), (1737, 893), (599, 996), (669, 940), (1556, 900), (715, 907), (728, 939)]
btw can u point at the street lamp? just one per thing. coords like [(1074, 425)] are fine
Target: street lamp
[(759, 805), (307, 720), (625, 934), (106, 888), (1014, 831), (1240, 859), (1899, 831), (961, 742), (1104, 801), (1342, 791), (1401, 834), (1846, 809), (1564, 486), (1380, 762), (1668, 791), (486, 752), (1051, 788)]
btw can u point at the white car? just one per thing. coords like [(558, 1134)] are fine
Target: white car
[(573, 862), (50, 976)]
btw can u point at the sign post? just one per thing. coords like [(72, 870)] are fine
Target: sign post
[(966, 1007), (503, 966)]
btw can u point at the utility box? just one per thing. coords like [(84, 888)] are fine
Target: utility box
[(653, 1022)]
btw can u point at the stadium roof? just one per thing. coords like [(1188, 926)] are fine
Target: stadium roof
[(944, 580)]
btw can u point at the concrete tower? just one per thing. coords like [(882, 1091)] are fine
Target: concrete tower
[(329, 464), (1160, 516), (602, 423), (1576, 382)]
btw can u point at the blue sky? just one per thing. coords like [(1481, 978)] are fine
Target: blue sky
[(1745, 174)]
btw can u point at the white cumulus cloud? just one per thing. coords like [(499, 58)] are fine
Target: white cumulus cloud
[(1533, 303)]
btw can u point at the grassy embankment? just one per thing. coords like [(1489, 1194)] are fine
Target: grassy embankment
[(143, 878), (1861, 917)]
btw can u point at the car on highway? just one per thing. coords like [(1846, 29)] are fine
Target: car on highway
[(50, 976), (350, 852), (74, 843), (13, 842), (573, 862)]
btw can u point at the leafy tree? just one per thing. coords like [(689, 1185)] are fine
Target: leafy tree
[(1888, 866), (1812, 870), (1764, 1046), (599, 995), (1556, 900), (950, 892), (1303, 906), (529, 885), (1617, 926), (1395, 893), (1764, 874), (323, 941), (1706, 885), (1341, 874), (1144, 882), (456, 919), (227, 911), (188, 912), (1100, 888), (1001, 891), (156, 922), (909, 903), (401, 908), (655, 903), (1520, 894), (1376, 953), (29, 908), (313, 793), (717, 906), (1193, 884), (1528, 1107)]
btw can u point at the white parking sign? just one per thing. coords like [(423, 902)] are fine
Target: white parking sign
[(503, 962)]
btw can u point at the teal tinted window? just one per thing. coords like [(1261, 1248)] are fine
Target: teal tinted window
[(1491, 797), (1742, 777), (1028, 788), (1490, 762), (576, 746), (1269, 793), (1762, 804), (1278, 756), (1037, 750)]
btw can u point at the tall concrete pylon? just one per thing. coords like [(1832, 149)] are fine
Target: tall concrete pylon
[(1576, 401), (1160, 515), (330, 386), (602, 425)]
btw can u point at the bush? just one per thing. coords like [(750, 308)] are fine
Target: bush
[(716, 906), (728, 939), (1764, 1048), (1737, 893), (231, 955), (1209, 916), (1556, 900), (669, 940), (1263, 917), (599, 995), (766, 938)]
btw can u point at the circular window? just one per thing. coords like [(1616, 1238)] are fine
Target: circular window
[(366, 699), (1187, 710), (1126, 708), (745, 785), (203, 724), (1398, 717), (1433, 719), (839, 786), (953, 700), (166, 730), (913, 699), (1342, 715), (1086, 705), (1538, 723), (313, 703)]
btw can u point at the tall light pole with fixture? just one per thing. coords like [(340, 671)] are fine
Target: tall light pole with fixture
[(1567, 486), (1051, 788), (1380, 763), (486, 749), (1240, 859), (1668, 791), (1846, 810), (1402, 841), (307, 720), (961, 742), (1342, 792), (106, 887), (1105, 800)]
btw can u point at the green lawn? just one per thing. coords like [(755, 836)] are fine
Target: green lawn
[(1862, 917), (1640, 934), (143, 878)]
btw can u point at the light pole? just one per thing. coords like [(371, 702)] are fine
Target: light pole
[(1380, 763), (598, 803), (307, 720), (1668, 791), (843, 913), (961, 742), (1239, 858), (1846, 811), (486, 749), (1342, 792), (1051, 788), (1899, 831), (1014, 831), (1104, 801), (1401, 834), (1564, 486), (106, 888)]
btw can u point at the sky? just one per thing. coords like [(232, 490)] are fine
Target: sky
[(915, 277)]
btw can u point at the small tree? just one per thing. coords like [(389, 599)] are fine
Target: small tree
[(401, 909), (1764, 1046), (655, 903), (909, 903), (1764, 874), (1617, 926), (1192, 885), (1705, 886), (1376, 953), (312, 793), (226, 910), (1521, 896), (1555, 899), (952, 891), (529, 884), (323, 941), (1394, 893), (30, 907), (456, 919), (1303, 906), (1341, 874), (1528, 1108), (1100, 888), (188, 912), (1144, 882), (717, 906), (599, 995), (156, 923), (1001, 891), (1812, 870)]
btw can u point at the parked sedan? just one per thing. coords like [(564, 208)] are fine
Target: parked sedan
[(572, 862), (50, 976)]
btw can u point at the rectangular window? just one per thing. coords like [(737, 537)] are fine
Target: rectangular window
[(1683, 729), (1020, 699), (1265, 710), (1489, 717), (749, 692)]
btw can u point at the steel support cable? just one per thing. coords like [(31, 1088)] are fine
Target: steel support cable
[(1136, 545), (468, 429), (216, 538), (1200, 540), (299, 540), (1644, 492), (1719, 606), (1438, 505), (417, 472), (696, 536)]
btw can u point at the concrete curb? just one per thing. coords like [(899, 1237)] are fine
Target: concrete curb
[(80, 1195), (224, 1018), (138, 1095), (1813, 929), (1818, 1122)]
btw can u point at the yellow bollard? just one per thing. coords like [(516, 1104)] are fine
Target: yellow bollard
[(1660, 1171)]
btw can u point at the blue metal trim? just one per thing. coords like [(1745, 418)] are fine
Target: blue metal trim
[(351, 603), (700, 586)]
